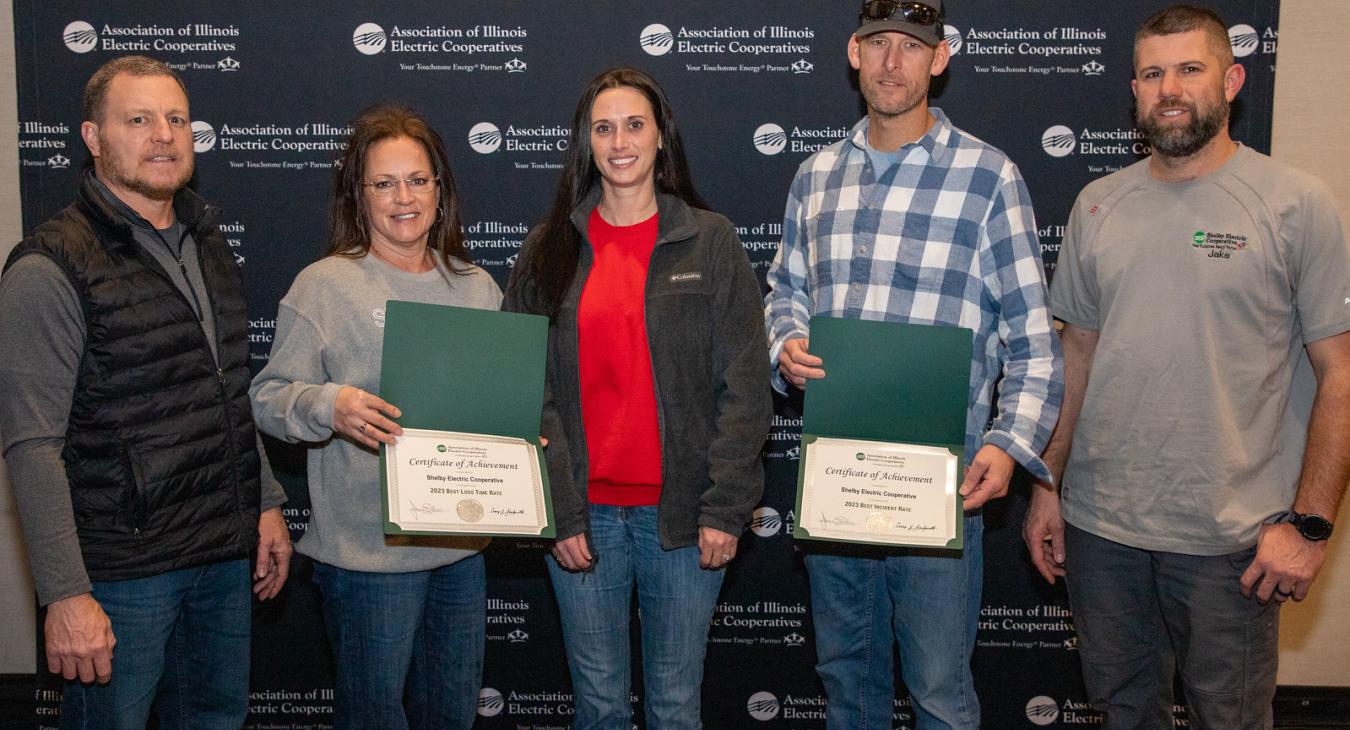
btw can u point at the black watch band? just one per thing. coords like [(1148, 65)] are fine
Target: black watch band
[(1314, 528)]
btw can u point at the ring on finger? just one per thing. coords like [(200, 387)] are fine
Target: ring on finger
[(361, 428), (1283, 593)]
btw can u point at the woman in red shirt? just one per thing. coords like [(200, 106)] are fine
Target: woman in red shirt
[(658, 400)]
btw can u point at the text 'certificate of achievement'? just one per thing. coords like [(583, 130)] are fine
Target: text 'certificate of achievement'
[(470, 383), (866, 491), (446, 481), (883, 434)]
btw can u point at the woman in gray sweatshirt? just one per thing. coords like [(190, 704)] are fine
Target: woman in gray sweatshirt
[(402, 613)]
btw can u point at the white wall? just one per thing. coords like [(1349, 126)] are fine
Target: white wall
[(17, 650), (1312, 102)]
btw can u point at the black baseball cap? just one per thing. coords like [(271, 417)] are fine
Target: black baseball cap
[(923, 20)]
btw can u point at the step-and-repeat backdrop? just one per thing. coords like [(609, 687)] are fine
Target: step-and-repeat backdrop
[(756, 87)]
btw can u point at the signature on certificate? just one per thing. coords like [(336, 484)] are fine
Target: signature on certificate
[(425, 508), (826, 521), (506, 511)]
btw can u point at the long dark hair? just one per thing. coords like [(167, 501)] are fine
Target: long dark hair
[(347, 232), (550, 267)]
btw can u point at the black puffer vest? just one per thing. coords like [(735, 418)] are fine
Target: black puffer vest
[(160, 447)]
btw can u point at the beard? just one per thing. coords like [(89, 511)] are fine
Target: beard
[(114, 170), (1182, 141), (894, 106)]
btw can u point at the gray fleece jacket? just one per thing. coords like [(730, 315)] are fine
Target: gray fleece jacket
[(705, 330)]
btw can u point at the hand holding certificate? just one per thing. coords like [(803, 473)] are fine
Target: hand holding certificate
[(883, 434), (470, 383)]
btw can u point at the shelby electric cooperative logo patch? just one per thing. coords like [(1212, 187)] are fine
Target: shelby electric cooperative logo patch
[(1219, 245)]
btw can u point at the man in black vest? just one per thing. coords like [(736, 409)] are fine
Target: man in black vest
[(127, 430)]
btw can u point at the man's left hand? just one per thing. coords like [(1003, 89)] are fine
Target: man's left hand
[(274, 554), (1285, 566), (987, 476)]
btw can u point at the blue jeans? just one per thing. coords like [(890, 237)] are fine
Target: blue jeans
[(1143, 614), (182, 649), (418, 633), (865, 600), (676, 599)]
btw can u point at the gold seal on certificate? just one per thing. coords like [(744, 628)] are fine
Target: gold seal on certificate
[(870, 491), (460, 483)]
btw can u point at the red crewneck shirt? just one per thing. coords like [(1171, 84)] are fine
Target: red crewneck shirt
[(618, 388)]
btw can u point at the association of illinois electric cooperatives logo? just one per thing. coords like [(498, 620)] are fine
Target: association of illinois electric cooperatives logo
[(485, 138), (203, 136), (762, 706), (770, 139), (80, 37), (766, 522), (490, 702), (369, 38), (1058, 141), (656, 39), (953, 37), (1244, 39), (1042, 710)]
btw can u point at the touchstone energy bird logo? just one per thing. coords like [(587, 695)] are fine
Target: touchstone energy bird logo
[(803, 67), (766, 522), (953, 38), (485, 138), (490, 702), (656, 39), (1244, 39), (794, 639), (770, 139), (762, 706), (1058, 141), (58, 161), (515, 66), (1042, 710), (227, 64), (203, 136), (369, 38), (80, 37)]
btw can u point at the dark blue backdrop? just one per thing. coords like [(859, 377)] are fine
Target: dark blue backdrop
[(273, 85)]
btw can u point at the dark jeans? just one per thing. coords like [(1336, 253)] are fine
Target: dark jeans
[(1142, 615), (182, 648), (418, 633)]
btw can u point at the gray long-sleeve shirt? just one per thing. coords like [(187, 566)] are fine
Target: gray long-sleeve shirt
[(330, 331), (42, 333)]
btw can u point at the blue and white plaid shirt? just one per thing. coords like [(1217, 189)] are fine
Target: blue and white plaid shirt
[(945, 237)]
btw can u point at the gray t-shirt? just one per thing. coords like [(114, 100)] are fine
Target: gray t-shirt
[(1204, 294), (330, 333)]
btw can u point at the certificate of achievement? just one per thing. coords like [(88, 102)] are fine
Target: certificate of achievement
[(445, 481), (870, 491), (470, 383), (883, 434)]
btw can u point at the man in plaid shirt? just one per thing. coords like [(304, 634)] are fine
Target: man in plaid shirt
[(909, 219)]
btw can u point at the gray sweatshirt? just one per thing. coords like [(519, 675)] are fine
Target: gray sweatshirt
[(330, 333), (42, 332)]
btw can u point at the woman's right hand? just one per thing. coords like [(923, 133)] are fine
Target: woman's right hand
[(573, 553), (365, 418)]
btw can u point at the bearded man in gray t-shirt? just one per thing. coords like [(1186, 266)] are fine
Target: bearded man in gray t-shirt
[(1204, 442)]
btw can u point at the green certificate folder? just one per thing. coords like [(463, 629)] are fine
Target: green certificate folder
[(889, 383), (469, 371)]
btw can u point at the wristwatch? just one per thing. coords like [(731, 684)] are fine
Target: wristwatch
[(1314, 528)]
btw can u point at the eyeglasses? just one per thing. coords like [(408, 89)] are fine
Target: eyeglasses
[(418, 185), (916, 13)]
